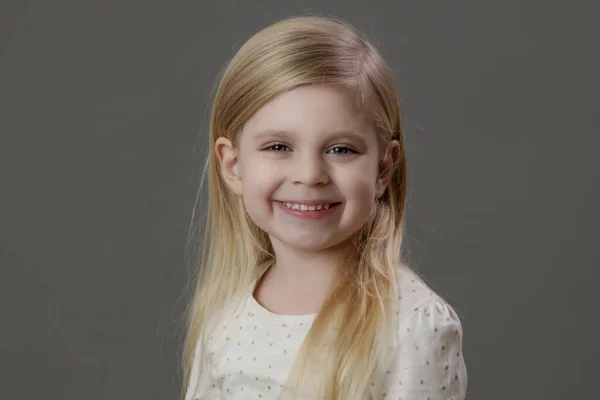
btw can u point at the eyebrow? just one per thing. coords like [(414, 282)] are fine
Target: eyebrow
[(283, 134)]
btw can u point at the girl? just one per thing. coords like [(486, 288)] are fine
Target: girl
[(301, 292)]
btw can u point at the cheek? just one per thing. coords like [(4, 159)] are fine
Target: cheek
[(359, 184), (259, 180), (363, 195)]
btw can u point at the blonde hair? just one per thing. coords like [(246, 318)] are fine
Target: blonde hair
[(356, 326)]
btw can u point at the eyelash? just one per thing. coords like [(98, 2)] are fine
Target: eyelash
[(350, 151)]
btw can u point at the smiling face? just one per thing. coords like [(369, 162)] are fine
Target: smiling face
[(307, 147)]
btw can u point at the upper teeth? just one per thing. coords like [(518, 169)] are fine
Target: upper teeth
[(303, 207)]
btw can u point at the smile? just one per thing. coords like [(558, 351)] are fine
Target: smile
[(308, 211), (304, 207)]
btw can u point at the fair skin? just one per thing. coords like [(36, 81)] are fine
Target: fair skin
[(307, 144)]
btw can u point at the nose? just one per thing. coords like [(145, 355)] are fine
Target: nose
[(310, 170)]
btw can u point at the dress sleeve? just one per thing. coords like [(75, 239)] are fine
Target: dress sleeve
[(429, 363), (198, 383)]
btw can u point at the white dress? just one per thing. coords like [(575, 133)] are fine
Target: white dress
[(252, 353)]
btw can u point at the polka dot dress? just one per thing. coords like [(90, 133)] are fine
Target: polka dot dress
[(253, 351)]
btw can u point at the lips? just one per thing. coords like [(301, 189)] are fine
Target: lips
[(309, 212), (306, 207), (309, 202)]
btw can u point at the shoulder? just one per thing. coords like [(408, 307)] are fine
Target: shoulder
[(425, 319), (429, 357), (423, 315), (416, 299)]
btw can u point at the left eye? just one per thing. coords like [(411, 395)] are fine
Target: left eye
[(342, 150)]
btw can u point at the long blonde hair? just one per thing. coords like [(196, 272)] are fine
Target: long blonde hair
[(349, 362)]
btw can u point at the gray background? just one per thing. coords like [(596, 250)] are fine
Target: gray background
[(103, 122)]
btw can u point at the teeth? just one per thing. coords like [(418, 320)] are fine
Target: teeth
[(304, 207)]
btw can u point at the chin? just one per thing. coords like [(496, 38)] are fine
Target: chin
[(309, 242)]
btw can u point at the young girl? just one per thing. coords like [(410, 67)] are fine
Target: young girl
[(301, 292)]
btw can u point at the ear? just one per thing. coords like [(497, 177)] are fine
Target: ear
[(387, 166), (229, 164)]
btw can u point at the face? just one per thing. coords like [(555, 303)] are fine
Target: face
[(310, 150)]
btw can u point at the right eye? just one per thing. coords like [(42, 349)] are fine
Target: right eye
[(277, 147)]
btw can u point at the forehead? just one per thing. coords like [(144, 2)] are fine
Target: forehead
[(310, 110)]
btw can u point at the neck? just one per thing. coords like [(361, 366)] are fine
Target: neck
[(307, 272)]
